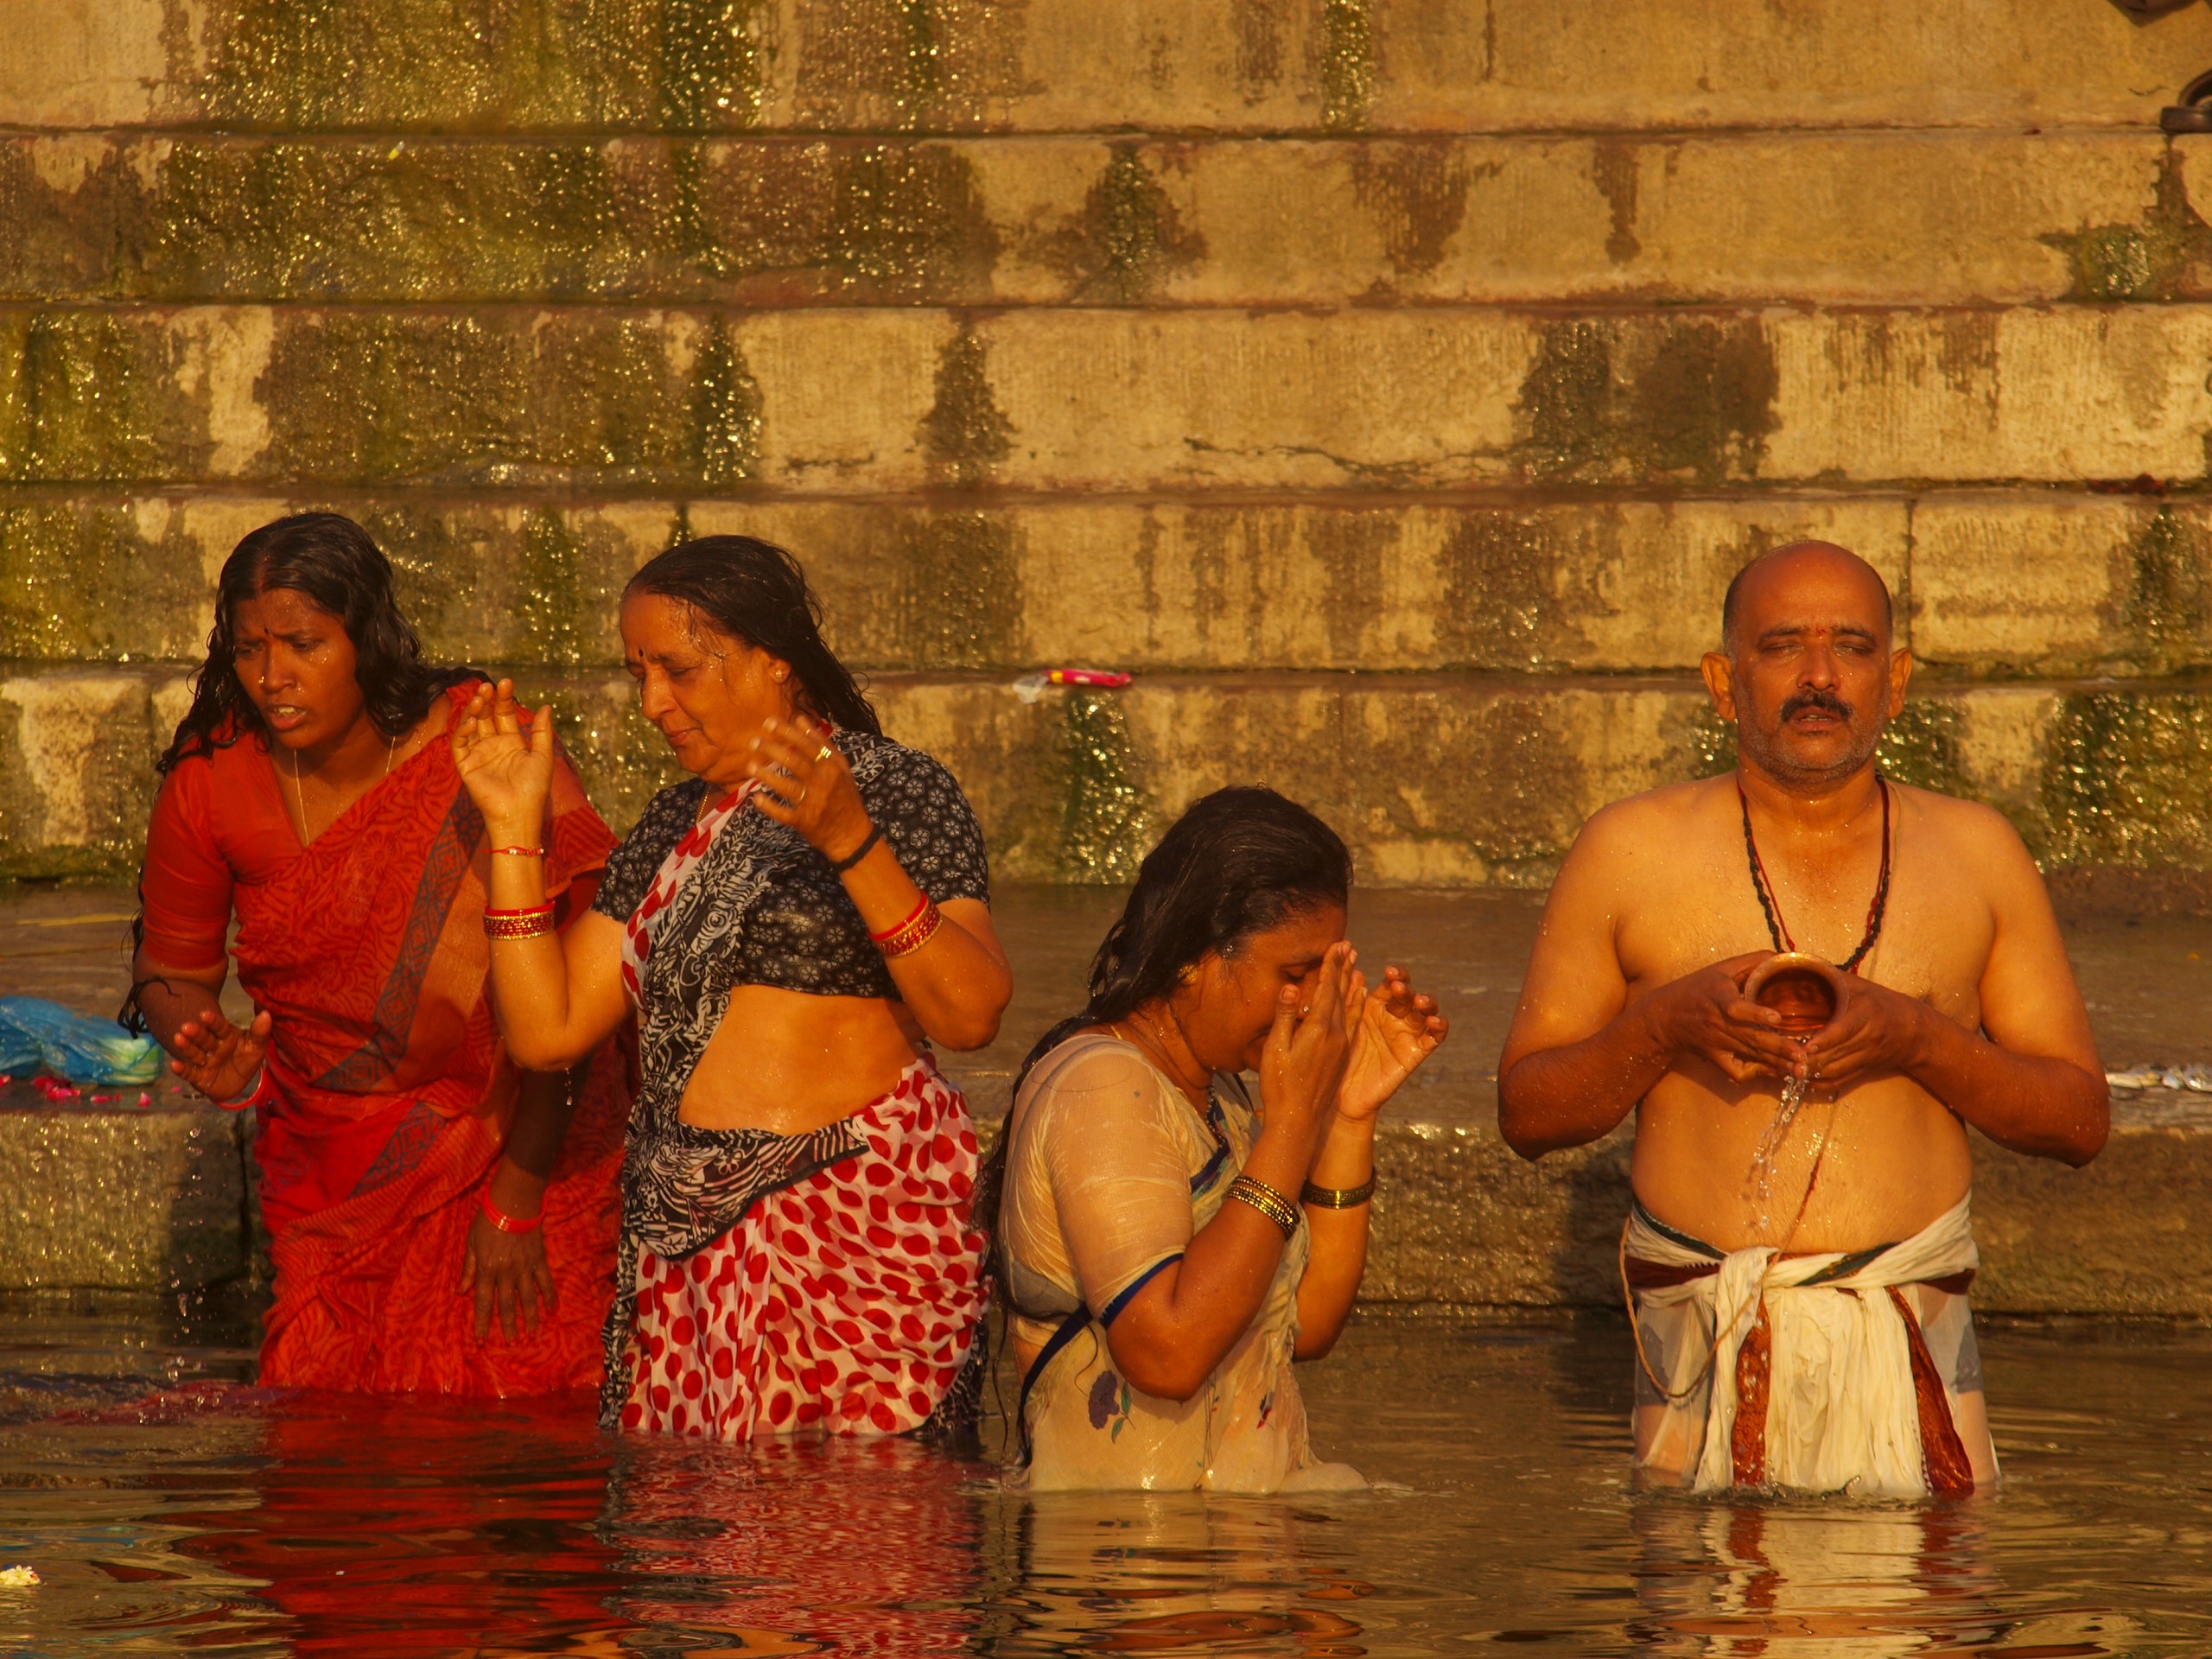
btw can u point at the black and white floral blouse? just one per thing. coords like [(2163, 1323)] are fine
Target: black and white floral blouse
[(764, 908)]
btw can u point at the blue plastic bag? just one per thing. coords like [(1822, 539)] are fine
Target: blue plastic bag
[(75, 1046)]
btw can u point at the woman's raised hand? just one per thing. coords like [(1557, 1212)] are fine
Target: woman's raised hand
[(1303, 1066), (216, 1058), (1395, 1030), (805, 782), (507, 769)]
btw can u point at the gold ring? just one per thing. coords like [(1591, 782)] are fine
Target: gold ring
[(802, 794), (825, 752)]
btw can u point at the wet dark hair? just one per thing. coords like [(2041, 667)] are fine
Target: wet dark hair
[(755, 591), (1240, 862), (331, 561)]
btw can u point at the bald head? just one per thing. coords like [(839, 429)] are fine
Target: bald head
[(1772, 576)]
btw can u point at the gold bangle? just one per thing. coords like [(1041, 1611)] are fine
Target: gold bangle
[(519, 924), (913, 935), (1339, 1197), (1269, 1202)]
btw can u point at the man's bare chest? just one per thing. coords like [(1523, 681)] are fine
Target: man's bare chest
[(1931, 938)]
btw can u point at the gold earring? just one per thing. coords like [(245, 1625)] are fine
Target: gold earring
[(1189, 973)]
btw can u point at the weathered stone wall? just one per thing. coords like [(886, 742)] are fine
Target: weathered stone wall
[(1392, 384)]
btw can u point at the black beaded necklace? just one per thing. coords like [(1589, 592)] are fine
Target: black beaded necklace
[(1777, 929)]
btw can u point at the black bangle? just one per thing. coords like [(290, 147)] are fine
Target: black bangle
[(838, 866), (1339, 1197)]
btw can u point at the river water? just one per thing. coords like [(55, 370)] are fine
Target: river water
[(171, 1507)]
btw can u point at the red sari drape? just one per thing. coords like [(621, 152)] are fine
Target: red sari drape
[(389, 1094)]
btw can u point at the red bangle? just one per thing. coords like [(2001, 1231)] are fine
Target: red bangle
[(890, 933), (507, 1224)]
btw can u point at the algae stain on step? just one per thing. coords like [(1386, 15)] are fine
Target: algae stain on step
[(1418, 193), (1257, 26), (907, 219), (1347, 64), (965, 432), (2168, 594), (1128, 238), (1103, 820), (1613, 167), (725, 409), (2164, 254), (1683, 399), (960, 591), (2127, 781), (1498, 593)]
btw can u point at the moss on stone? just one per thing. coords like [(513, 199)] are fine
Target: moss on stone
[(89, 396), (726, 409), (1127, 239), (1498, 571), (711, 73), (1104, 825), (960, 591), (1418, 193), (1692, 400), (1920, 747), (1347, 64), (2167, 611), (2166, 254), (86, 582), (2127, 781), (304, 65), (965, 431)]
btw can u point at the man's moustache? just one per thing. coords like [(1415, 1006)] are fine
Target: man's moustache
[(1820, 700)]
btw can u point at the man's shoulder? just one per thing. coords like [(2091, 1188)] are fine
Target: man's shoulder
[(1654, 819), (1966, 824)]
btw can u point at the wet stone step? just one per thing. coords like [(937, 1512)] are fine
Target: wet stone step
[(1821, 217), (1105, 398), (1441, 780), (2024, 583), (155, 1199), (1262, 65)]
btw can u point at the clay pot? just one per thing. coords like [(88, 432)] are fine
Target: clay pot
[(1804, 991)]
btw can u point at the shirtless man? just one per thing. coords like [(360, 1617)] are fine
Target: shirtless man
[(1773, 1348)]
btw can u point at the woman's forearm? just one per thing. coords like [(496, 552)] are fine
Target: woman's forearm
[(1179, 1327), (545, 1104), (956, 985), (167, 998), (1338, 1237)]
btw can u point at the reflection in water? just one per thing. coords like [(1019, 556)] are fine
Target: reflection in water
[(859, 1546), (1145, 1573), (169, 1509)]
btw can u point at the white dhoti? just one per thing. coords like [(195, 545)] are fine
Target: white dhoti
[(1820, 1373)]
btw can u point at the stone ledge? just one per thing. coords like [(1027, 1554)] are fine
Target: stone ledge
[(1073, 785), (122, 1200), (154, 1201), (1248, 65), (1105, 398), (2020, 584), (1820, 218)]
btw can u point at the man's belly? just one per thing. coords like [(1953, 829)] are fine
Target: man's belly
[(1871, 1168)]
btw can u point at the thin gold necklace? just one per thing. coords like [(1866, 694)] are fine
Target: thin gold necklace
[(1159, 1047), (300, 794)]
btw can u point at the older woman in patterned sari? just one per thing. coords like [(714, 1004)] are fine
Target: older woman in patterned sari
[(419, 1188), (796, 926)]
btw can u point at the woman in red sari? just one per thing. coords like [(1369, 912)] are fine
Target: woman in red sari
[(442, 1221)]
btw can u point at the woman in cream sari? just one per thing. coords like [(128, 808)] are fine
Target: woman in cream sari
[(1171, 1245)]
